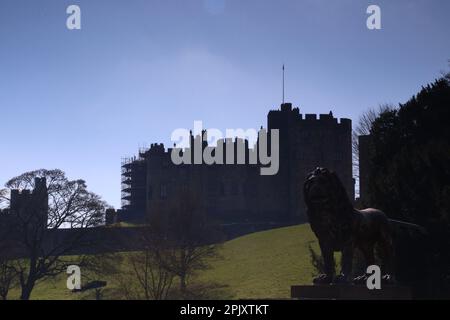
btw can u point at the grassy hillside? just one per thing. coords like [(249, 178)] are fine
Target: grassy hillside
[(265, 264), (259, 265)]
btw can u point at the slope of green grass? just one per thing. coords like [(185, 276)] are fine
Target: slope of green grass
[(264, 264), (259, 265)]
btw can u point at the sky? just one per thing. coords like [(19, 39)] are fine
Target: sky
[(81, 100)]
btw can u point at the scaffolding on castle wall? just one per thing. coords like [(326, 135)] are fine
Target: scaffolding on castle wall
[(132, 178)]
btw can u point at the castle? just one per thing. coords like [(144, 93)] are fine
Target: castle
[(233, 194), (28, 206), (27, 213)]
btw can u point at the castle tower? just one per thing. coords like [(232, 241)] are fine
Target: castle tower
[(307, 143), (286, 121), (31, 207)]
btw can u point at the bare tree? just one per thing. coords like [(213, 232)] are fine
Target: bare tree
[(147, 279), (177, 243), (3, 198), (55, 203), (362, 128), (7, 274), (185, 237), (154, 280), (98, 267), (7, 278)]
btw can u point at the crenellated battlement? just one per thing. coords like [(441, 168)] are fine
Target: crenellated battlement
[(282, 118), (19, 198), (286, 115), (27, 204), (155, 149)]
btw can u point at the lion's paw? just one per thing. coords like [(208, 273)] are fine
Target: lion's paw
[(323, 279), (388, 279), (341, 279), (362, 279)]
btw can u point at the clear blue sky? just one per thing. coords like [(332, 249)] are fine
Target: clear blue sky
[(81, 100)]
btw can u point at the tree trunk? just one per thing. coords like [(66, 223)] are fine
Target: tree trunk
[(26, 292), (183, 285), (27, 288)]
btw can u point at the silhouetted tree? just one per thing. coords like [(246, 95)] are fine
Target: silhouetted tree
[(7, 275), (184, 237), (153, 279), (63, 204), (410, 180), (98, 267), (362, 128), (3, 198)]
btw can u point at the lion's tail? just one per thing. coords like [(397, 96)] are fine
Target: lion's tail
[(409, 226)]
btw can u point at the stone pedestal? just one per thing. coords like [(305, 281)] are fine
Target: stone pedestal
[(349, 292)]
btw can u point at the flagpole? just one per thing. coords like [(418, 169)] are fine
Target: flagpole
[(283, 83)]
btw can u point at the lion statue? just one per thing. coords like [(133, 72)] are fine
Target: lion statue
[(340, 227)]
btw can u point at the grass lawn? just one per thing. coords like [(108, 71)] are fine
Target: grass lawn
[(259, 265), (265, 264)]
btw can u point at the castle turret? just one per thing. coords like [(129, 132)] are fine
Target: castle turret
[(31, 206), (309, 142)]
